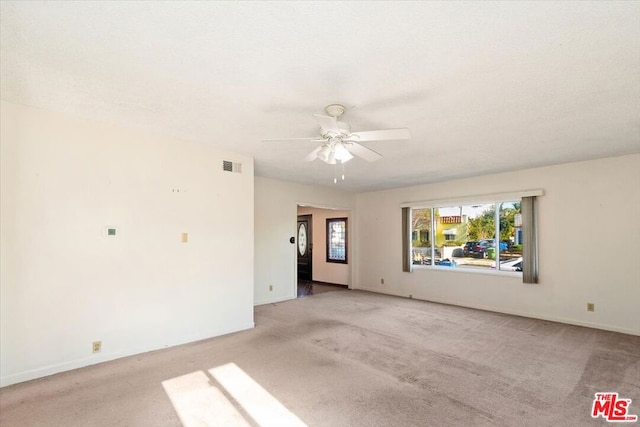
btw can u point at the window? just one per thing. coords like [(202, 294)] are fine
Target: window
[(450, 234), (420, 234), (484, 236), (499, 235), (337, 240)]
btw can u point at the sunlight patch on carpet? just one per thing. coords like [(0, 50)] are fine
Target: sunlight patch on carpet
[(230, 397)]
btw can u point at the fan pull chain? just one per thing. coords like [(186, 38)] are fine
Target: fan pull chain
[(335, 172)]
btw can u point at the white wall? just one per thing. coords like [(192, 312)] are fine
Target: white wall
[(589, 234), (65, 284), (276, 212), (323, 271)]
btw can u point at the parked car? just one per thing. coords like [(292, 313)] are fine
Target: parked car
[(469, 248), (480, 249), (483, 246), (514, 264), (477, 249)]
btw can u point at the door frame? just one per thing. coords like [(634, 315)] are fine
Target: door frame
[(350, 236), (309, 251)]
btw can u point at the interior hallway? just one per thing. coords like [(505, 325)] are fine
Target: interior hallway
[(310, 287)]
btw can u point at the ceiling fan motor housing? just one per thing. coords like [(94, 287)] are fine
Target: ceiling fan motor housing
[(335, 110)]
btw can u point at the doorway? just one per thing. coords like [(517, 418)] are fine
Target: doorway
[(318, 269), (305, 247)]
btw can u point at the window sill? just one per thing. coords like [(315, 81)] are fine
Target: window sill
[(489, 272)]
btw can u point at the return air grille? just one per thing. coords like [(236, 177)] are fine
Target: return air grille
[(228, 166)]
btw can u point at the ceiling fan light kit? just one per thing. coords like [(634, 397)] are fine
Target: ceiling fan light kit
[(332, 152), (326, 154), (339, 144), (341, 152)]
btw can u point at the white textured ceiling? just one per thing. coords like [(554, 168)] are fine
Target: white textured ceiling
[(484, 87)]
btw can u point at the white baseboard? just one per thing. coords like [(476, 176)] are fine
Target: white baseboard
[(275, 300), (565, 320), (57, 368)]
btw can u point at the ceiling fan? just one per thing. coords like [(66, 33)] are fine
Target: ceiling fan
[(339, 144)]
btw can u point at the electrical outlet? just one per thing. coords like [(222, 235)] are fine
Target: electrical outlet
[(382, 281), (270, 288), (185, 237), (97, 346), (591, 306)]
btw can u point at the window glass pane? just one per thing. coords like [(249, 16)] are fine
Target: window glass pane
[(468, 236), (421, 236), (337, 240), (475, 248), (510, 236)]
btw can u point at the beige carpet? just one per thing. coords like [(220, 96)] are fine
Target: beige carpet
[(350, 358)]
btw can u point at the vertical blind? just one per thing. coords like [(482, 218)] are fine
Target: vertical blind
[(529, 240), (406, 258)]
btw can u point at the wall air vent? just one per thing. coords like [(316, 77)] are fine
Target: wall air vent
[(228, 166)]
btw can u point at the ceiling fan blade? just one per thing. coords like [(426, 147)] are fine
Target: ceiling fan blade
[(362, 151), (382, 135), (327, 123), (313, 155)]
